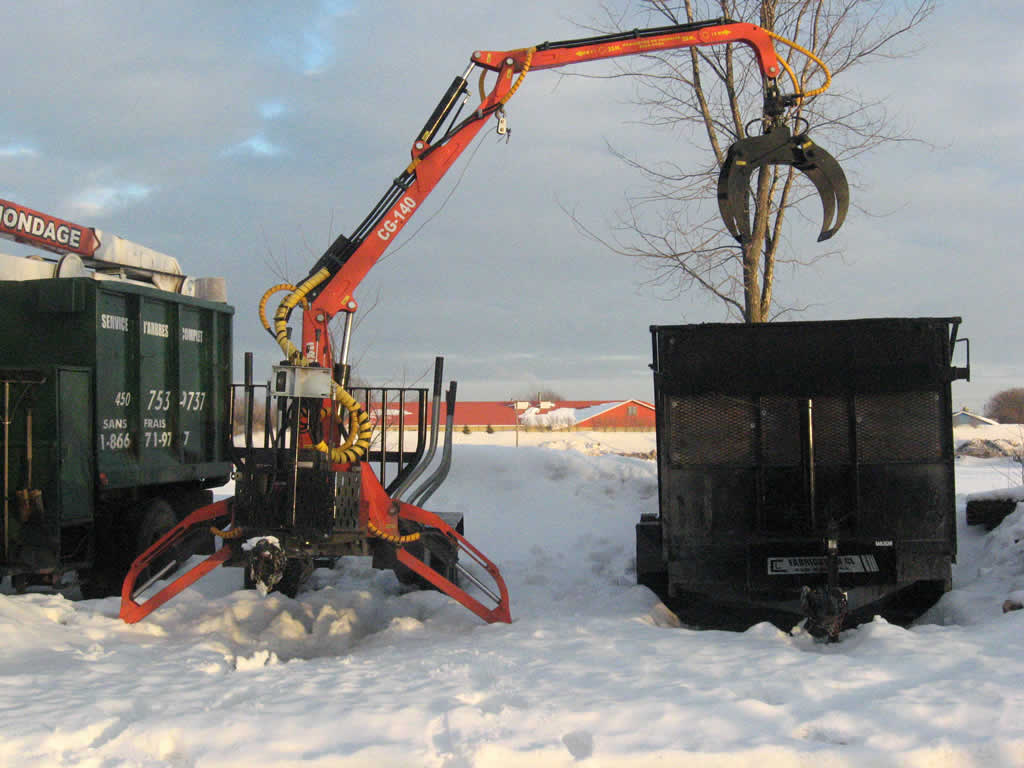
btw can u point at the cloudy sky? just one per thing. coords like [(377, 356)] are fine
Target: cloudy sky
[(242, 137)]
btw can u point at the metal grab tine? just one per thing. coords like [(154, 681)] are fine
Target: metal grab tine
[(780, 147), (435, 418), (432, 483), (477, 582), (828, 177), (154, 579)]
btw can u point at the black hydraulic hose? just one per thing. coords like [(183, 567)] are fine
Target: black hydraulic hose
[(343, 247), (634, 34)]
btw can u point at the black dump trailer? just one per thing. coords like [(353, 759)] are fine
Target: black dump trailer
[(114, 399), (805, 469)]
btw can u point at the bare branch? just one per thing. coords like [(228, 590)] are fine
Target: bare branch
[(713, 94)]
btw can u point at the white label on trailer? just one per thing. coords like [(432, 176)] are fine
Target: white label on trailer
[(789, 566)]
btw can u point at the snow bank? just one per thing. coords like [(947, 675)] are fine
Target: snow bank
[(593, 671), (562, 418), (989, 440)]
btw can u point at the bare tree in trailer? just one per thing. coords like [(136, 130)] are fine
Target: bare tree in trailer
[(714, 94)]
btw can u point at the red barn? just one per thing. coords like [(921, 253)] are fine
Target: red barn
[(628, 414)]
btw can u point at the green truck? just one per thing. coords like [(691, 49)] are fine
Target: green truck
[(115, 397)]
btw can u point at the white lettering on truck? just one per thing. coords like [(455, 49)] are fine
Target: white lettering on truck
[(114, 323), (155, 329)]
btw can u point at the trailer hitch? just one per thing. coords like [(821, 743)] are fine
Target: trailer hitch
[(779, 147), (826, 605)]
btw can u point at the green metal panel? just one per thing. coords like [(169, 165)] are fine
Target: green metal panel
[(158, 384), (162, 370), (75, 430), (116, 381)]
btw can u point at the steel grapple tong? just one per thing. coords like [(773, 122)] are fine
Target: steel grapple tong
[(780, 147)]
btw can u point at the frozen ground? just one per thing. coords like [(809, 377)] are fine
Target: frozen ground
[(594, 671)]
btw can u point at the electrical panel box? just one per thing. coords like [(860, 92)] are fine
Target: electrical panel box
[(297, 381)]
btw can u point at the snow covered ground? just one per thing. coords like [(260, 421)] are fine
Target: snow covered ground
[(594, 671)]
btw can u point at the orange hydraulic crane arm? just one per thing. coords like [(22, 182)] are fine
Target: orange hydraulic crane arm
[(330, 285), (717, 32)]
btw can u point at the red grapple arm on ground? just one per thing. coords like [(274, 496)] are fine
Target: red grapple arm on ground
[(133, 611), (384, 513)]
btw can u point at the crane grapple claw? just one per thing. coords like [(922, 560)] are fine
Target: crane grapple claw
[(780, 147)]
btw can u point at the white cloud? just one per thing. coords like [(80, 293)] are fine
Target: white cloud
[(256, 146), (17, 150), (311, 48), (269, 110), (101, 199)]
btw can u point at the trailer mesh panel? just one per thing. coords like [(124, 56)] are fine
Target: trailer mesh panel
[(711, 429), (903, 426)]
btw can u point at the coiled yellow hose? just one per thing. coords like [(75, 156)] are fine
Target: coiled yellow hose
[(360, 429), (270, 292)]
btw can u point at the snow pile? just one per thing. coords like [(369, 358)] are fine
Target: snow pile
[(562, 418), (594, 670), (592, 443), (1013, 493), (989, 440)]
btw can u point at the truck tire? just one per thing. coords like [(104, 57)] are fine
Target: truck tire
[(156, 519), (201, 542)]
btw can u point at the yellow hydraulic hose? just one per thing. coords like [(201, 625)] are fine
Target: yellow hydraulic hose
[(234, 533), (270, 292), (407, 539), (288, 303), (515, 86), (360, 429), (812, 57), (792, 75), (519, 80)]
